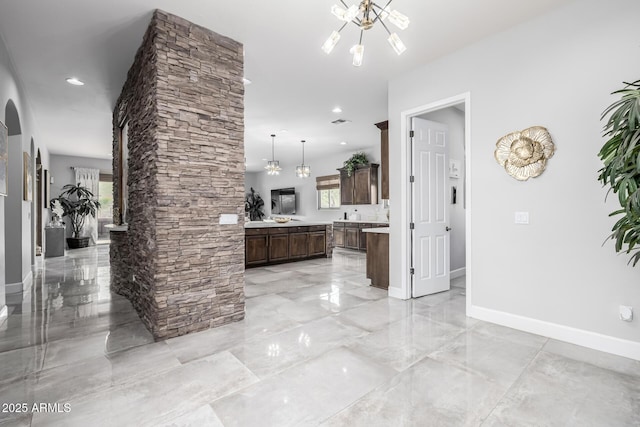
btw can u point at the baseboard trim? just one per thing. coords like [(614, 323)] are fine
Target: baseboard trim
[(593, 340), (24, 286), (396, 293), (458, 272), (4, 314)]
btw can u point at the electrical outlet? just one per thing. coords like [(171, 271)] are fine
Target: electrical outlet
[(521, 218), (626, 313)]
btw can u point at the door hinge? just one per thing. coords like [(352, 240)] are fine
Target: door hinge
[(411, 134), (412, 271), (412, 178), (412, 226)]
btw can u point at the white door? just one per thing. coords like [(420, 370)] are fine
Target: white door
[(430, 207)]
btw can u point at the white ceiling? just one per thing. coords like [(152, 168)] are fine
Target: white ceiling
[(295, 84)]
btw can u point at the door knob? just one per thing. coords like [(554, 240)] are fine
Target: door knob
[(448, 228)]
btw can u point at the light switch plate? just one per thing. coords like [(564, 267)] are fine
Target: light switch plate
[(521, 218), (228, 219)]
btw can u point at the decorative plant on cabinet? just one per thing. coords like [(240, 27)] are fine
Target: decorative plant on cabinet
[(77, 203), (621, 158), (253, 204), (352, 163)]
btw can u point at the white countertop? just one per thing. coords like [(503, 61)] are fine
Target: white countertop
[(114, 227), (368, 221), (379, 230)]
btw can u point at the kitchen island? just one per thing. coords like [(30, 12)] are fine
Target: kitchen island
[(378, 256), (269, 243)]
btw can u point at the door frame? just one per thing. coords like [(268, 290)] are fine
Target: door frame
[(405, 206)]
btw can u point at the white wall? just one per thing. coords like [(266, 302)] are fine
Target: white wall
[(22, 247), (454, 119), (306, 193), (553, 276)]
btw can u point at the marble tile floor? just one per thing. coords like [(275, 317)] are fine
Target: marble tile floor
[(318, 347)]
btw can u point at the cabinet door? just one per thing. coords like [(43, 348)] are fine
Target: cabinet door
[(278, 247), (317, 243), (298, 245), (346, 188), (351, 238), (363, 238), (255, 250), (366, 185), (338, 237)]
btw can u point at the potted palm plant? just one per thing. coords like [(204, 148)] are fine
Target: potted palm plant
[(77, 203)]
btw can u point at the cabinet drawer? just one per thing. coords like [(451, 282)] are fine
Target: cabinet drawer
[(317, 228), (298, 229), (279, 230), (338, 225), (255, 231), (351, 225)]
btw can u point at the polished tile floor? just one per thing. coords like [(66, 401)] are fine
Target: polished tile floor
[(318, 347)]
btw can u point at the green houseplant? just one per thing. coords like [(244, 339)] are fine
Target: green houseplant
[(621, 171), (77, 203), (352, 163), (253, 204)]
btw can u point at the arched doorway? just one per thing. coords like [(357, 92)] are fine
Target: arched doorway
[(13, 212)]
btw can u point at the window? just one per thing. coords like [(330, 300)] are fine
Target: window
[(328, 191), (105, 193)]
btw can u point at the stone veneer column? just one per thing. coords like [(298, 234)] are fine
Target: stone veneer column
[(183, 100)]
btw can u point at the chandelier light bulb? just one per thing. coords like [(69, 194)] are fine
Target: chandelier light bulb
[(396, 43), (345, 15), (331, 42), (399, 20), (358, 54)]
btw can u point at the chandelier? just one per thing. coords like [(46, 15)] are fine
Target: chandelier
[(365, 16), (303, 171), (273, 166)]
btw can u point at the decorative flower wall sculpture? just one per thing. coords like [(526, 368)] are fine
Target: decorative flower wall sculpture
[(524, 154)]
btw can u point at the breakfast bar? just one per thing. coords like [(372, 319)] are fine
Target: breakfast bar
[(378, 256)]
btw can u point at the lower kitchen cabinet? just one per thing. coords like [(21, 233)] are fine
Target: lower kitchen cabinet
[(274, 245), (349, 234)]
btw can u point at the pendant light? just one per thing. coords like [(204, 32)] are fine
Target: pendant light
[(273, 166), (303, 171)]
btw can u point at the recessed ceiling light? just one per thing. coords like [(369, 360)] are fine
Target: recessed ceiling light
[(74, 81), (283, 131), (337, 110), (246, 81), (343, 143), (264, 160)]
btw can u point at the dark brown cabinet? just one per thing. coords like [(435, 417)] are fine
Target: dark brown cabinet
[(256, 248), (384, 159), (361, 188), (338, 235), (317, 243), (273, 245), (298, 245), (350, 235), (378, 260)]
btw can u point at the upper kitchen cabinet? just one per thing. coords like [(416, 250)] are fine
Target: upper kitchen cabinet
[(361, 188), (384, 159)]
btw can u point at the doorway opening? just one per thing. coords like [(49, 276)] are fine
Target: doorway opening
[(38, 204), (444, 203)]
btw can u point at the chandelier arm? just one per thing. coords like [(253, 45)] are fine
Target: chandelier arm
[(344, 4), (343, 25), (361, 32), (385, 26), (378, 18)]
